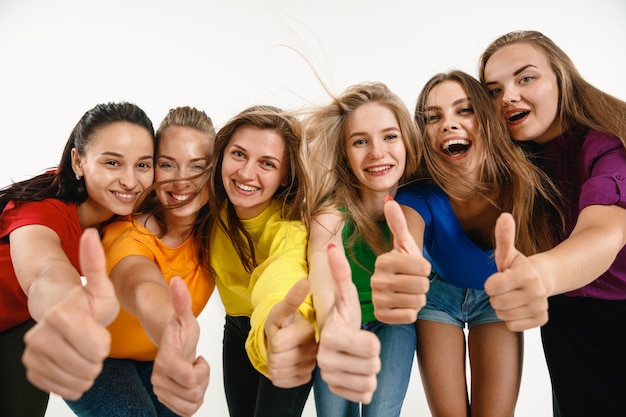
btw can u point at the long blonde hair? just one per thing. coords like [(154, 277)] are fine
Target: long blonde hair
[(334, 184)]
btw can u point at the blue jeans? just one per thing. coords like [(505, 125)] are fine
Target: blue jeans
[(248, 392), (396, 355), (123, 389)]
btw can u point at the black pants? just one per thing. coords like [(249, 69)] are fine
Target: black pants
[(248, 392), (584, 343), (18, 397)]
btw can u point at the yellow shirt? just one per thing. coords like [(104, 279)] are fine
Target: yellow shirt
[(280, 249), (124, 238)]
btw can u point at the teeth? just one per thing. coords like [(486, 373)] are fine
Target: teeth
[(378, 169), (126, 196), (246, 187), (449, 143), (180, 197)]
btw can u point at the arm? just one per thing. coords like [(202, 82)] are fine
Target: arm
[(325, 229), (400, 280), (179, 377), (65, 350), (520, 290), (272, 280)]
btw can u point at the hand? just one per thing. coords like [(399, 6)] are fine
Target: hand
[(517, 292), (400, 280), (291, 345), (65, 350), (179, 378), (348, 357)]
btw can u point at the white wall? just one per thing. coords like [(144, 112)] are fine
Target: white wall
[(60, 58)]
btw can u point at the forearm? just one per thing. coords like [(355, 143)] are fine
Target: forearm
[(152, 305), (52, 286), (587, 253)]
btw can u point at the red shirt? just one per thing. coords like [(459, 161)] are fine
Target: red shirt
[(62, 218)]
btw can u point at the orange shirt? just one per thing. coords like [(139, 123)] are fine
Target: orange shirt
[(125, 238)]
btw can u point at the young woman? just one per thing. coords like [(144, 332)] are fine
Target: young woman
[(258, 198), (579, 133), (362, 146), (106, 164), (154, 337), (477, 172)]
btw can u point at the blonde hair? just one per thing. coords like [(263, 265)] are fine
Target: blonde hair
[(580, 103), (334, 184)]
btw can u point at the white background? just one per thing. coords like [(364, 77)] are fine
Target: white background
[(60, 58)]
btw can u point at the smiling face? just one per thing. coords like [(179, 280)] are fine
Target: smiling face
[(525, 91), (183, 154), (254, 166), (452, 129), (117, 167), (375, 149)]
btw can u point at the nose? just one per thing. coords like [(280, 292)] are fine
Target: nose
[(510, 96), (128, 178), (376, 151), (246, 171), (449, 124)]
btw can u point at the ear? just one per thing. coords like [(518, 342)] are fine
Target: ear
[(76, 163), (285, 181)]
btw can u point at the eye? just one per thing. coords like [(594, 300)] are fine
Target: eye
[(144, 165), (198, 167), (526, 79), (391, 136), (237, 154), (494, 92), (166, 165), (113, 163), (467, 110), (268, 164), (431, 118), (359, 142)]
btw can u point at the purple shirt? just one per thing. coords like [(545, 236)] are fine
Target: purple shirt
[(589, 168)]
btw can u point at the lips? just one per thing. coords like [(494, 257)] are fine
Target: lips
[(247, 188), (455, 147), (517, 115), (380, 168)]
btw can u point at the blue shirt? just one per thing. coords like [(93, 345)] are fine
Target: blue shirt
[(452, 254)]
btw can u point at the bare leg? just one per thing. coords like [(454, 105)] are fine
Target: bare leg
[(496, 356), (441, 359)]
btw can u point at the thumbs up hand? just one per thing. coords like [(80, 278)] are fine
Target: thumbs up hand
[(400, 280), (517, 292), (348, 357), (291, 344), (179, 378), (65, 350)]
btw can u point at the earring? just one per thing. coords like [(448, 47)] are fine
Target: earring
[(78, 177)]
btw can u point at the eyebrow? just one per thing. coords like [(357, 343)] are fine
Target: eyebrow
[(234, 145), (515, 73), (387, 129), (119, 155), (454, 103)]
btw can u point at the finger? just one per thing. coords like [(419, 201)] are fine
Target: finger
[(341, 272), (401, 237), (505, 251), (181, 299), (103, 301), (283, 312)]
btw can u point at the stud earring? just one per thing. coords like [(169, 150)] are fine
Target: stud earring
[(78, 177)]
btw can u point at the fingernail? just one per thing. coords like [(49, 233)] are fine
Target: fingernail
[(330, 246), (388, 198)]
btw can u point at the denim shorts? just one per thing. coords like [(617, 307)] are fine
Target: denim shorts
[(446, 303)]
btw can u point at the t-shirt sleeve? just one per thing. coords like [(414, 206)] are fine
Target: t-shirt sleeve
[(285, 265), (51, 213), (121, 239), (604, 165)]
